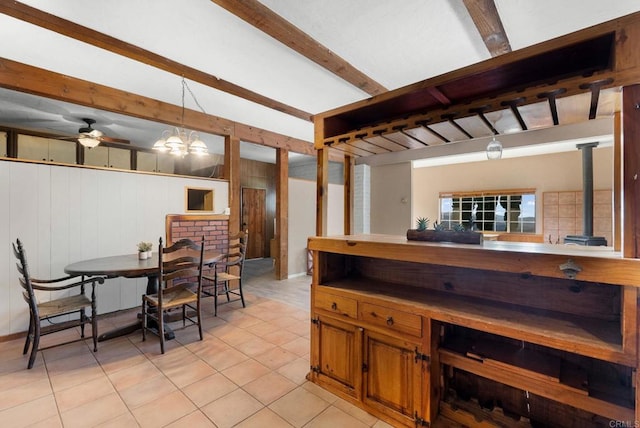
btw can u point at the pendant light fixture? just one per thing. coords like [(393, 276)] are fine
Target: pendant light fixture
[(179, 141), (494, 148)]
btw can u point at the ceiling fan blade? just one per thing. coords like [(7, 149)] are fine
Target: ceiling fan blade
[(114, 140)]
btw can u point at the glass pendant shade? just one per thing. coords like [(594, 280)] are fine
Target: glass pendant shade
[(494, 149)]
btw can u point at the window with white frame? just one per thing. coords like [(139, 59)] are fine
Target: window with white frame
[(507, 211)]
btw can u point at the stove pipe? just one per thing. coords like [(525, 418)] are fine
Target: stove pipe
[(587, 237)]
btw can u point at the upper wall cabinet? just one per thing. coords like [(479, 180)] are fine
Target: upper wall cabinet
[(108, 157), (46, 149), (155, 162), (3, 144)]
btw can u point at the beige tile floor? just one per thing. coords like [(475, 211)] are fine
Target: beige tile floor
[(249, 371)]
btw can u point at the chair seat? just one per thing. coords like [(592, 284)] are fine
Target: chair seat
[(177, 297), (63, 305), (222, 276)]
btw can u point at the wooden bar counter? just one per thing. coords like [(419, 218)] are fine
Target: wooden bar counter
[(497, 334)]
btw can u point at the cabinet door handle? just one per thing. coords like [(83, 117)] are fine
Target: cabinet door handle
[(334, 306), (389, 320)]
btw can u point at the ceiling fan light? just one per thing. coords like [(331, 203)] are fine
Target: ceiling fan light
[(88, 142), (494, 149), (95, 133)]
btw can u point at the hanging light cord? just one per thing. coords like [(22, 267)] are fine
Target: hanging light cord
[(185, 85)]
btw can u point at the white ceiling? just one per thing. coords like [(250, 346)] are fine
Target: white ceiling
[(395, 43)]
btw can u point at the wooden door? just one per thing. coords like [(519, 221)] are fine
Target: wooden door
[(392, 379), (338, 357), (254, 218)]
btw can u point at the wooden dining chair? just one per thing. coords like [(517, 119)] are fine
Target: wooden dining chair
[(179, 286), (227, 272), (73, 306)]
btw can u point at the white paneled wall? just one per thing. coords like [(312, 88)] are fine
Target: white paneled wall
[(65, 214)]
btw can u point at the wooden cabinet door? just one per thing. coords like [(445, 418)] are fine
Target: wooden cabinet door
[(166, 163), (108, 157), (33, 148), (62, 151), (97, 156), (146, 161), (392, 378), (46, 149), (3, 144), (337, 357), (119, 158)]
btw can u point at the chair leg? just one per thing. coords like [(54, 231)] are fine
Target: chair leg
[(161, 329), (144, 320), (215, 300), (226, 290), (240, 291), (83, 319), (160, 314), (199, 313), (94, 326), (27, 341), (36, 343)]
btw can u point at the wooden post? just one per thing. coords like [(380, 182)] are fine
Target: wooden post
[(322, 191), (348, 194), (282, 214), (631, 170), (617, 182), (232, 173)]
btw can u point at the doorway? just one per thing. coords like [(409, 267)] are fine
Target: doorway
[(254, 218)]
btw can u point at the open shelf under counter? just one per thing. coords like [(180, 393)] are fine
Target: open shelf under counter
[(578, 334), (520, 379), (596, 264)]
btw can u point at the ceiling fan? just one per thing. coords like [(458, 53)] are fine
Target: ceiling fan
[(91, 137)]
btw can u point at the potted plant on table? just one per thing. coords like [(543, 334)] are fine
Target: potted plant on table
[(439, 234), (144, 250)]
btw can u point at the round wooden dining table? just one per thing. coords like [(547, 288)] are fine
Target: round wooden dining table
[(129, 266)]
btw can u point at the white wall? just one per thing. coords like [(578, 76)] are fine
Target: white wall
[(552, 172), (391, 198), (302, 219), (64, 214)]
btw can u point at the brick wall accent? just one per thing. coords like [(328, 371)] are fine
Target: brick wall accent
[(214, 227)]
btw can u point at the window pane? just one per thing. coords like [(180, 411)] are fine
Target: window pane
[(490, 212)]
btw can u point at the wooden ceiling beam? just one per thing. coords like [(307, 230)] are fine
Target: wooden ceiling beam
[(487, 20), (87, 35), (264, 19), (45, 83)]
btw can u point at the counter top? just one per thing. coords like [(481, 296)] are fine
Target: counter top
[(596, 264)]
